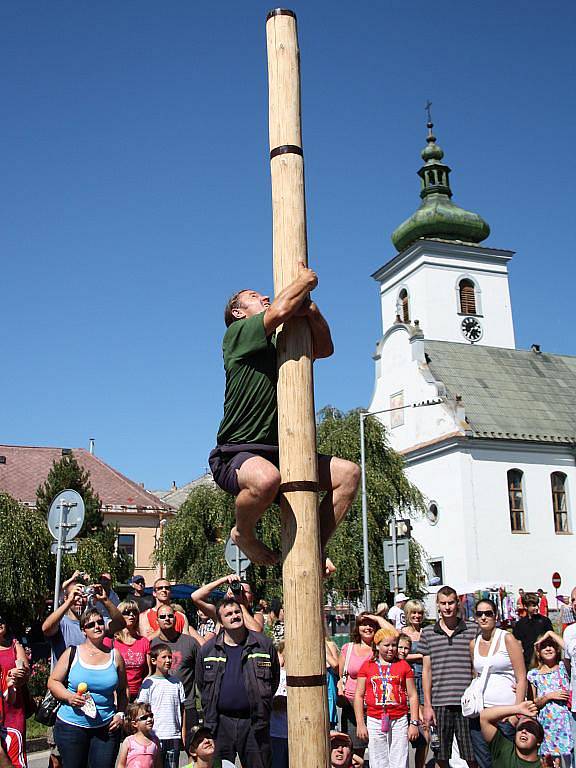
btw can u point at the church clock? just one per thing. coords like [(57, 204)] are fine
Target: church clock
[(471, 329)]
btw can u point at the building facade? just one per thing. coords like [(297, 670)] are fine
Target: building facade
[(496, 458)]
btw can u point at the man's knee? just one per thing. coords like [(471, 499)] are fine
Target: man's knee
[(346, 475), (260, 477)]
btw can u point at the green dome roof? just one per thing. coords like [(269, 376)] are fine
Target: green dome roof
[(437, 215)]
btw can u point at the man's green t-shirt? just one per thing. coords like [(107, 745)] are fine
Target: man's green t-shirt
[(250, 408), (504, 754)]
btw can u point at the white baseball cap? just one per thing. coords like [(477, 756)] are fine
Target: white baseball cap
[(400, 597)]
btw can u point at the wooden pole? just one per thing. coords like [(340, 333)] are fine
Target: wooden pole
[(302, 572)]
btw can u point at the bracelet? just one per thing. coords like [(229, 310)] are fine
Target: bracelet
[(415, 722)]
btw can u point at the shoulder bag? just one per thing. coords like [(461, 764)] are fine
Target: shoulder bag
[(472, 700), (49, 706)]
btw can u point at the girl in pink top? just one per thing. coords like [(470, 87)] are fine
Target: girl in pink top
[(141, 749)]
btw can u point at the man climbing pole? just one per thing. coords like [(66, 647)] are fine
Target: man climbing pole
[(245, 460)]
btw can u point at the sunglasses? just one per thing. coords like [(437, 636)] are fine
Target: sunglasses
[(148, 716), (489, 614), (163, 589), (96, 623), (166, 616), (129, 612)]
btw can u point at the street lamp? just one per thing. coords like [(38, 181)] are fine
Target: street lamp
[(367, 598)]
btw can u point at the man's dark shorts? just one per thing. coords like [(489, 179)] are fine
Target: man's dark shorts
[(225, 460)]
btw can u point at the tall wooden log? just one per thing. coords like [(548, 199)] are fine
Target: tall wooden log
[(302, 570)]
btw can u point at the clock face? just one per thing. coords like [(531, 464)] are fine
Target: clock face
[(471, 329)]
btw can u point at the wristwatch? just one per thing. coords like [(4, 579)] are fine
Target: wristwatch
[(415, 722)]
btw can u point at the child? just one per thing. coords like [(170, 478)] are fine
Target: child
[(387, 686), (141, 749), (201, 748), (550, 688), (165, 694)]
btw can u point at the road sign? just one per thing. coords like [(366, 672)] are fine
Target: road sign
[(72, 514), (68, 547), (236, 559), (556, 580), (401, 575), (402, 554)]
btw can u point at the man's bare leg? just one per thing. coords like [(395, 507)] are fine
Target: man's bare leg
[(340, 479), (259, 481)]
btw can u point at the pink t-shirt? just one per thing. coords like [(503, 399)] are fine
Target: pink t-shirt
[(135, 661), (140, 755), (356, 661)]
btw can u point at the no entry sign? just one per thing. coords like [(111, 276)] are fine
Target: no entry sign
[(556, 580)]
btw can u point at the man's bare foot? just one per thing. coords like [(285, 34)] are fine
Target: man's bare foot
[(254, 549), (329, 568)]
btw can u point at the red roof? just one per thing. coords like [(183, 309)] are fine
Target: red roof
[(26, 467)]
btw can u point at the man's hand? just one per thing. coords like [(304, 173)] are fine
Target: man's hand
[(74, 594), (307, 276), (99, 593), (413, 732), (429, 716), (527, 708)]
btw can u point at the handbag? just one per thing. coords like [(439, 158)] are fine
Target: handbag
[(341, 699), (49, 706), (472, 701)]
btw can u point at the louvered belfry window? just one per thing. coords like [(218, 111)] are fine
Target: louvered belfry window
[(558, 480), (404, 305), (467, 297), (516, 500)]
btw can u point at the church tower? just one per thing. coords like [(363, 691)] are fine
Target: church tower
[(442, 277)]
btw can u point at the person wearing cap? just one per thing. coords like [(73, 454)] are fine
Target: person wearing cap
[(201, 748), (142, 600), (529, 734), (396, 613), (340, 750)]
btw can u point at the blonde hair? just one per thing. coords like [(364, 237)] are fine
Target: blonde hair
[(411, 607), (386, 633), (122, 606)]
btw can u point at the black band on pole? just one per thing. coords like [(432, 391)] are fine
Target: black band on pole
[(280, 12), (286, 149), (299, 485), (305, 681)]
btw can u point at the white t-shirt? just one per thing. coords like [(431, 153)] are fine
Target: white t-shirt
[(396, 616), (165, 695), (570, 654)]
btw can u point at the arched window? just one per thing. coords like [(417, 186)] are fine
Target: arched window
[(404, 306), (558, 481), (467, 297), (516, 500)]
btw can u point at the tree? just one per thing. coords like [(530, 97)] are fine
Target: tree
[(25, 556), (67, 473), (192, 546)]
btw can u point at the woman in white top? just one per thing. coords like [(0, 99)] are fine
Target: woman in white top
[(506, 682)]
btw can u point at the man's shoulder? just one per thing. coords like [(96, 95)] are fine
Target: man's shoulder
[(569, 638), (208, 648)]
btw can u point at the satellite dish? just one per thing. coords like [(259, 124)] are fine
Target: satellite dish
[(236, 559), (70, 504)]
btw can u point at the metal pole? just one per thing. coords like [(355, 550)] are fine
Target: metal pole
[(395, 556), (367, 596), (237, 560), (59, 554)]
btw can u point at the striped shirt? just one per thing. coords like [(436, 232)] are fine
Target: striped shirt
[(166, 697), (450, 661)]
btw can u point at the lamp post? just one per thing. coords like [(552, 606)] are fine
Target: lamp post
[(367, 597)]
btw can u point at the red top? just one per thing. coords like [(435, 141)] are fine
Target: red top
[(135, 661), (543, 606), (14, 715), (387, 688), (152, 617)]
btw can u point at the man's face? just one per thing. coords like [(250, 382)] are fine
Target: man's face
[(251, 303), (231, 617), (138, 587), (401, 604), (163, 592), (447, 606), (525, 738), (166, 618), (80, 601), (340, 755), (573, 598)]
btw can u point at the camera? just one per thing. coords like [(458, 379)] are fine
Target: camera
[(236, 588)]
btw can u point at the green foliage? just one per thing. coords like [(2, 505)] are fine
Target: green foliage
[(25, 557), (67, 473), (388, 491), (192, 546)]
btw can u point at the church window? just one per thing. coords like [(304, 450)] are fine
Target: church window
[(404, 306), (558, 480), (516, 500), (467, 297)]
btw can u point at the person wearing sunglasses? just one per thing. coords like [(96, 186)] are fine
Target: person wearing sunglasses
[(162, 592), (134, 649), (506, 682), (84, 737), (521, 751)]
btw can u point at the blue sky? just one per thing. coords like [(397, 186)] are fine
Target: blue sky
[(135, 195)]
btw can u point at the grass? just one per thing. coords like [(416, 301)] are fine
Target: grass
[(35, 730)]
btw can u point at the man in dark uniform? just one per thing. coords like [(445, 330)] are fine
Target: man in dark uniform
[(245, 460)]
